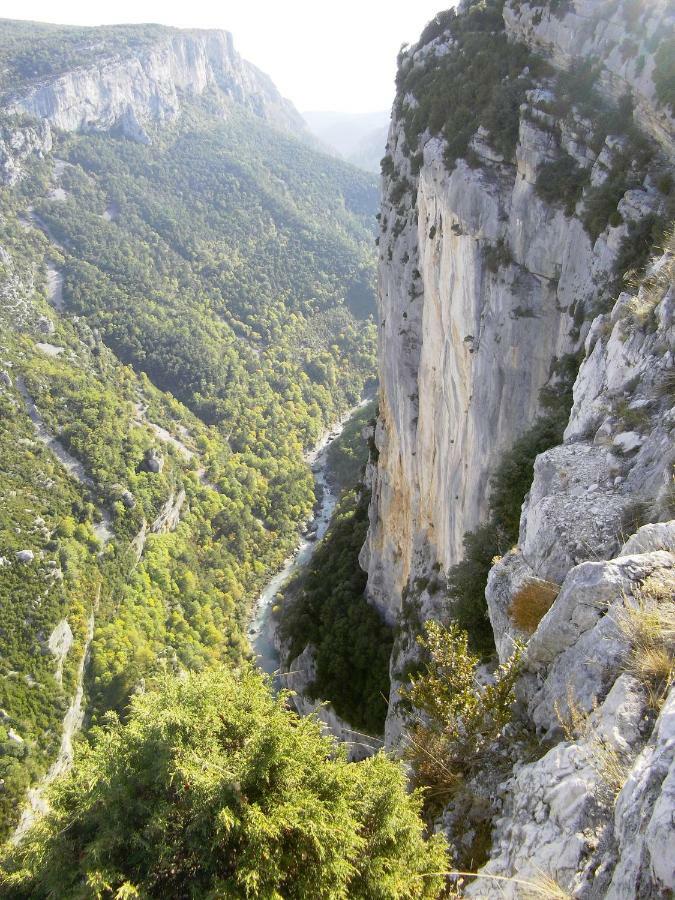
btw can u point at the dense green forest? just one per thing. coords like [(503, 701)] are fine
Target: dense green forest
[(325, 606), (218, 290)]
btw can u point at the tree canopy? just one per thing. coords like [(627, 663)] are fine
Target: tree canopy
[(213, 788)]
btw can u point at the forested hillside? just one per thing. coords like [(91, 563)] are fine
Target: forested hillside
[(180, 319)]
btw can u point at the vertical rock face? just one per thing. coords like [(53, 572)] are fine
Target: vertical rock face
[(17, 143), (488, 273), (622, 36), (591, 812), (481, 283)]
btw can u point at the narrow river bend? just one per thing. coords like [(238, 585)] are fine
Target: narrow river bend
[(261, 630)]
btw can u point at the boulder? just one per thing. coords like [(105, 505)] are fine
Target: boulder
[(44, 325), (154, 461), (24, 556)]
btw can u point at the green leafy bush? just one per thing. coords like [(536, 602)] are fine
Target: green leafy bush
[(562, 181), (456, 721), (664, 73), (213, 788), (478, 82)]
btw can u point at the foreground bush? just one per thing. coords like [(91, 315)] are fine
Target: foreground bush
[(212, 788)]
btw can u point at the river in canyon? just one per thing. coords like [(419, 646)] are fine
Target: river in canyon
[(261, 630)]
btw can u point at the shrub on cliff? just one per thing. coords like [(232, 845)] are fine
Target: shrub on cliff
[(213, 788), (456, 720), (478, 81)]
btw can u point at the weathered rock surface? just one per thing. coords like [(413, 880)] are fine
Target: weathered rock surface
[(154, 461), (25, 556), (169, 515), (619, 36), (59, 643), (557, 813), (588, 494), (482, 286), (18, 141)]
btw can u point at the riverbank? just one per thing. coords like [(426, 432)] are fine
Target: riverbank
[(261, 631)]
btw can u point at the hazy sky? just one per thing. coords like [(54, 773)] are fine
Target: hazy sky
[(322, 55)]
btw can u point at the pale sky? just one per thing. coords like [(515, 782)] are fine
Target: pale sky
[(322, 55)]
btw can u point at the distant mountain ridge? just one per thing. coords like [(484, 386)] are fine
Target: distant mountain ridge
[(123, 78), (359, 138)]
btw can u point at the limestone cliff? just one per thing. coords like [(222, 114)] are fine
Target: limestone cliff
[(591, 813), (126, 92), (485, 281), (495, 267)]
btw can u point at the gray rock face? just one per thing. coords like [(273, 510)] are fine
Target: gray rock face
[(24, 556), (622, 39), (155, 462), (17, 143), (576, 660), (128, 92), (479, 282), (59, 643), (169, 515)]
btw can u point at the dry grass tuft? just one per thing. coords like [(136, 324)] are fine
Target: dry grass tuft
[(538, 887), (574, 721), (648, 624), (531, 603), (611, 766), (651, 289), (545, 886)]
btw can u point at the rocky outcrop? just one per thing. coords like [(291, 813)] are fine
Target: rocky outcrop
[(128, 93), (59, 644), (483, 285), (169, 515), (594, 489), (486, 278), (18, 141), (618, 37), (590, 813)]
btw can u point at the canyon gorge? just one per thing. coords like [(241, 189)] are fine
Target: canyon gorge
[(470, 580)]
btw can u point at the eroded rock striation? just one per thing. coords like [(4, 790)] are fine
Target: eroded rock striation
[(497, 272)]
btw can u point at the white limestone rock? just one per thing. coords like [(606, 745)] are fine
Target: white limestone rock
[(59, 643), (127, 93), (578, 650), (24, 556), (602, 29)]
